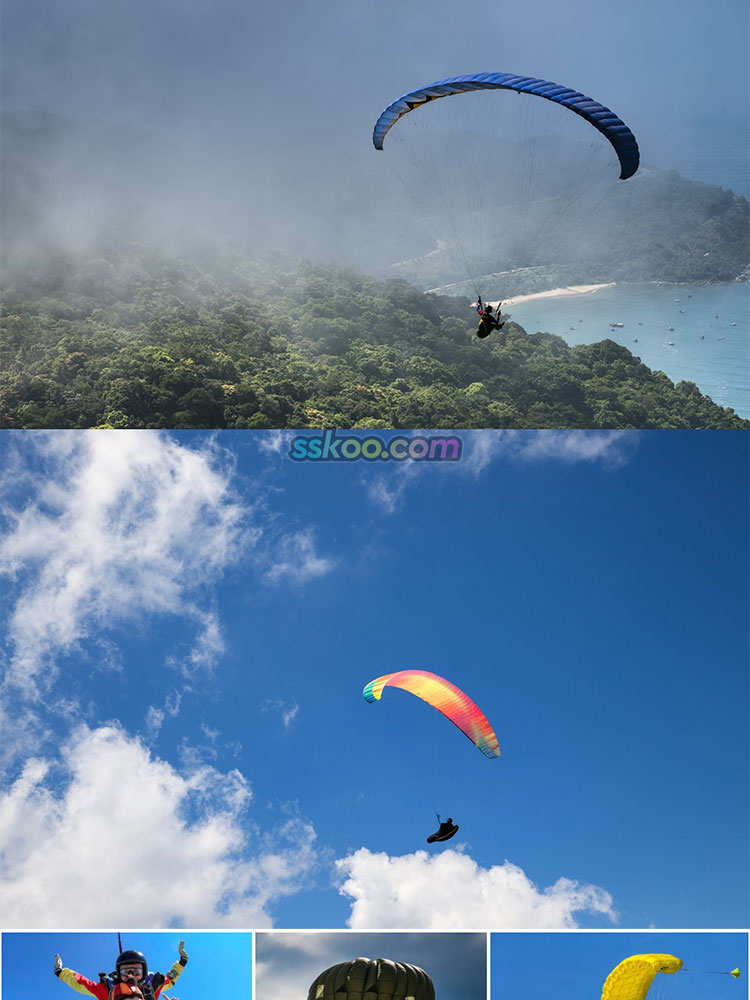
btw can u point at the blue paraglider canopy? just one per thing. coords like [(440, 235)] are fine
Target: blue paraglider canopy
[(606, 121)]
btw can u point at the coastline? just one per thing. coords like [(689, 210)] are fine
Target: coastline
[(693, 333), (557, 292)]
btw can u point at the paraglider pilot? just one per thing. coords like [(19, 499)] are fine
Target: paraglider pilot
[(487, 322), (444, 832), (131, 977)]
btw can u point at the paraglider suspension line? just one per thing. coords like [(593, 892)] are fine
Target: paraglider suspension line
[(712, 972)]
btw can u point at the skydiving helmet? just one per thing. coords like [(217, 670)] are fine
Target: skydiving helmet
[(132, 958)]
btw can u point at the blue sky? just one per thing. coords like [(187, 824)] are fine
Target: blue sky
[(575, 966), (190, 620), (28, 961)]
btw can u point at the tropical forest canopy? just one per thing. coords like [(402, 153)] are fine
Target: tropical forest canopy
[(116, 315), (136, 337)]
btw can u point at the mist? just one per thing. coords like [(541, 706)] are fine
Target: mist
[(171, 121)]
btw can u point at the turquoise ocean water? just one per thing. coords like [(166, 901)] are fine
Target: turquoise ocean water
[(703, 347)]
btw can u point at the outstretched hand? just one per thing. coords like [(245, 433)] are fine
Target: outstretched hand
[(181, 949), (58, 965)]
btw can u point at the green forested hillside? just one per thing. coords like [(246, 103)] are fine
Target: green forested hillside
[(137, 338), (658, 226)]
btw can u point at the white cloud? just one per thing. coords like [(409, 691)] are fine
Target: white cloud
[(387, 493), (288, 712), (451, 891), (275, 442), (482, 448), (122, 525), (612, 448), (110, 836), (154, 720), (289, 716), (155, 716), (296, 559), (207, 646)]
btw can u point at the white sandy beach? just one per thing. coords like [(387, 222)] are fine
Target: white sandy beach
[(555, 292)]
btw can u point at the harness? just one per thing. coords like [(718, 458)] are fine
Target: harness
[(144, 990)]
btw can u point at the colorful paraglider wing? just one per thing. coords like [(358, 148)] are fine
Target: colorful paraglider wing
[(446, 698), (631, 979), (606, 121)]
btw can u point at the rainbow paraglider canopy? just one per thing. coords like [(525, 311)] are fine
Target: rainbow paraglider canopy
[(451, 701)]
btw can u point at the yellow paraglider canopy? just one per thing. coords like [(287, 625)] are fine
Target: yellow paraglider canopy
[(631, 979)]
